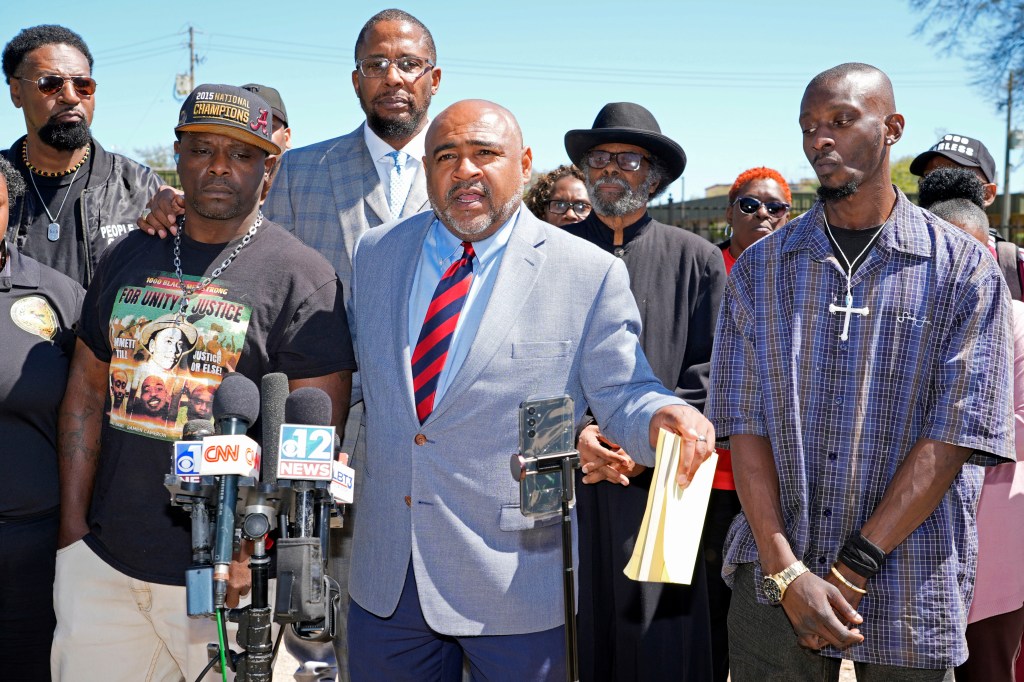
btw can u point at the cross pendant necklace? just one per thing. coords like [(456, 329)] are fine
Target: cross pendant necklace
[(848, 308)]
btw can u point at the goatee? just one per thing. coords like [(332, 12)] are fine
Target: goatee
[(66, 137), (828, 194)]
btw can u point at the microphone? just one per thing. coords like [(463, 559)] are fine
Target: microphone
[(196, 429), (236, 405), (306, 596), (273, 394)]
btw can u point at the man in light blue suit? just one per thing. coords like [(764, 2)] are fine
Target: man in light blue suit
[(444, 564)]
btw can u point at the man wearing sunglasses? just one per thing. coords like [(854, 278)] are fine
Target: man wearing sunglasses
[(677, 280), (81, 197)]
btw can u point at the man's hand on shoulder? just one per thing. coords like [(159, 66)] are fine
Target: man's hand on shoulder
[(160, 217), (817, 610), (697, 433)]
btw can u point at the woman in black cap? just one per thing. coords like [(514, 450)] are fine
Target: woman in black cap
[(38, 307)]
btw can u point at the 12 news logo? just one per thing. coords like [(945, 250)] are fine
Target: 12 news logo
[(306, 452)]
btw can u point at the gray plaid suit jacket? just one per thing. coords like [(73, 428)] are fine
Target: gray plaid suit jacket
[(328, 194)]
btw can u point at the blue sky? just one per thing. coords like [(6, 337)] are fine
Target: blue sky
[(724, 79)]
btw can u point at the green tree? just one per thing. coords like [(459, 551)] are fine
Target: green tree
[(901, 175), (157, 157)]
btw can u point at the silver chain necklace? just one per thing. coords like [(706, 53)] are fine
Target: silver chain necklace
[(53, 229), (186, 290), (848, 308)]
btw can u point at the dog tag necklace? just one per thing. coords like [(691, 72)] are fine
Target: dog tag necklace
[(53, 230), (848, 308), (186, 290)]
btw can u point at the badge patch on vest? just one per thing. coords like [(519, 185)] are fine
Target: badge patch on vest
[(34, 315)]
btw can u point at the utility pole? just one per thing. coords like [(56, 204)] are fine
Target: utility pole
[(192, 65), (1006, 169)]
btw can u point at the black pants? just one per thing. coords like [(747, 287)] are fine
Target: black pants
[(992, 645), (28, 551), (723, 507)]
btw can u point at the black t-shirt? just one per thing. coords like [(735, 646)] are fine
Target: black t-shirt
[(277, 308), (855, 244), (38, 307), (62, 251)]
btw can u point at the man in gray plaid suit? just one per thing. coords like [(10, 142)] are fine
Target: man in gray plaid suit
[(329, 193)]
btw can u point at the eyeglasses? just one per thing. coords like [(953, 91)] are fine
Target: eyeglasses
[(410, 68), (627, 161), (749, 205), (581, 208), (49, 85)]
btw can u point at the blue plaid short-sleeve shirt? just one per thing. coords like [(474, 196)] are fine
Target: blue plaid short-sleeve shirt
[(932, 359)]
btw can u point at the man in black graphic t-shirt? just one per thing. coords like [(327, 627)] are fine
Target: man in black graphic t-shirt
[(248, 297)]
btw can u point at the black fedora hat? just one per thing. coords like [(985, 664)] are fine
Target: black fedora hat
[(627, 123)]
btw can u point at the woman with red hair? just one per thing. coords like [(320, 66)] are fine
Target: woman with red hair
[(759, 203)]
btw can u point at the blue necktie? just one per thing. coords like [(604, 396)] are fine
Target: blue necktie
[(398, 188)]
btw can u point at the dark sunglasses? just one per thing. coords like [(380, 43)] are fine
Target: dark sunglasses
[(581, 208), (627, 161), (749, 205), (49, 85)]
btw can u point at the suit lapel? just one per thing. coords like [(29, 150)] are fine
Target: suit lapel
[(412, 235), (373, 188), (417, 199), (517, 276)]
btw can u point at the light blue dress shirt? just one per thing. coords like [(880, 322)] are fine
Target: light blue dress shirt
[(440, 249)]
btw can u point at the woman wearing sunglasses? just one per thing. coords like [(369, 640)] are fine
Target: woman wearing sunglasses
[(758, 205), (559, 197)]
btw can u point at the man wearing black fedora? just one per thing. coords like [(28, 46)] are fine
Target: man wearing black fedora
[(677, 279)]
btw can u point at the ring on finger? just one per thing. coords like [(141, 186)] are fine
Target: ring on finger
[(702, 438)]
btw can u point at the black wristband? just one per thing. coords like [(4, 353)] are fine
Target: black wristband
[(862, 556)]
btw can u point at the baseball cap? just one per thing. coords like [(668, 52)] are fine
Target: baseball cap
[(273, 98), (231, 111), (964, 151)]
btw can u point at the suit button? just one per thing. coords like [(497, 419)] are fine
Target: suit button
[(420, 439), (408, 501)]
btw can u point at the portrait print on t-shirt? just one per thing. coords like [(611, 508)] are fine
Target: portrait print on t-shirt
[(167, 363)]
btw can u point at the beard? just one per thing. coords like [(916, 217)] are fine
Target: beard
[(828, 194), (66, 137), (388, 128), (632, 200), (473, 226)]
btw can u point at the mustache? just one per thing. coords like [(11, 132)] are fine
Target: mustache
[(466, 185), (612, 180), (829, 156)]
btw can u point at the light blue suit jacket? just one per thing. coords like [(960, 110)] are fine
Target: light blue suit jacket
[(561, 319)]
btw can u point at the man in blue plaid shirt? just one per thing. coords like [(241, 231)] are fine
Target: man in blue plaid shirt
[(862, 358)]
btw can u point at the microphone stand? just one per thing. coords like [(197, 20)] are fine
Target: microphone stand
[(572, 672)]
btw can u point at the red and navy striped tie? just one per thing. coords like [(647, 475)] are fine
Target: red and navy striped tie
[(428, 357)]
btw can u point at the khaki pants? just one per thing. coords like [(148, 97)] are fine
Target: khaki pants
[(111, 627)]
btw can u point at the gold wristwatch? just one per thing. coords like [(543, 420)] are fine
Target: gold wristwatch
[(774, 586)]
